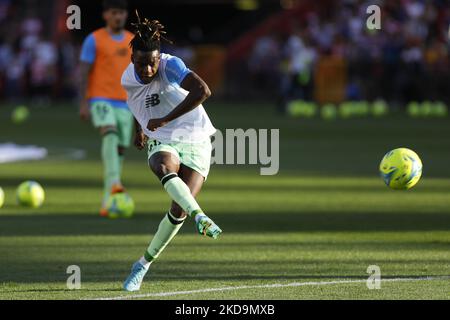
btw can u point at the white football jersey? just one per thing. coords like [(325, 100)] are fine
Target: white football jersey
[(157, 99)]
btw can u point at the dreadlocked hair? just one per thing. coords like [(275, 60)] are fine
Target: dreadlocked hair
[(148, 35)]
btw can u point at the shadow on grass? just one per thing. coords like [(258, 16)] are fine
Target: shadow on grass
[(176, 271), (151, 185), (79, 224), (69, 182), (62, 290)]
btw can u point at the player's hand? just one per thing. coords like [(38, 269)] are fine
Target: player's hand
[(84, 111), (140, 140), (154, 124)]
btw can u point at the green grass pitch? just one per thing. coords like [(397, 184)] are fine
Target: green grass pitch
[(313, 229)]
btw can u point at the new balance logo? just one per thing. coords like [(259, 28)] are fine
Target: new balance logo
[(152, 100)]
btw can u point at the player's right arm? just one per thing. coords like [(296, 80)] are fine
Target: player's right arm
[(87, 59)]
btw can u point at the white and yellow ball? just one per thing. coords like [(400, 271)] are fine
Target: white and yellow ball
[(2, 197), (401, 169), (30, 194), (120, 205), (20, 114)]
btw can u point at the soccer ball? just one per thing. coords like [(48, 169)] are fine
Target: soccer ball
[(380, 108), (329, 111), (2, 197), (20, 114), (120, 205), (414, 110), (30, 194), (401, 169), (345, 110), (440, 109)]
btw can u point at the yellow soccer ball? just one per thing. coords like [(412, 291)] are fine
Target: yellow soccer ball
[(329, 111), (2, 197), (401, 169), (20, 114), (30, 194), (120, 205)]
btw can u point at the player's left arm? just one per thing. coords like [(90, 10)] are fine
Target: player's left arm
[(198, 93), (140, 139)]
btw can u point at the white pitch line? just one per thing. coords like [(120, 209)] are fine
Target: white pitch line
[(266, 286)]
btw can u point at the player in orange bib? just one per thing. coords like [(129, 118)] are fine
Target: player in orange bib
[(104, 57)]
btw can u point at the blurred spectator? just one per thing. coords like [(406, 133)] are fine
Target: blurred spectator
[(14, 72), (43, 65), (183, 50), (67, 67), (5, 6), (297, 69), (408, 59), (264, 62)]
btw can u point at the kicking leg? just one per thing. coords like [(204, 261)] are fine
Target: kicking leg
[(175, 218), (162, 164), (166, 165), (177, 184), (194, 181)]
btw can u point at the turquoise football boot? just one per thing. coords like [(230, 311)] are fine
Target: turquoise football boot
[(134, 280), (207, 227)]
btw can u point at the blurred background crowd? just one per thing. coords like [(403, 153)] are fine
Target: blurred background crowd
[(269, 50), (36, 63)]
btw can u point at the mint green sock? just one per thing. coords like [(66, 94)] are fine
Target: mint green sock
[(111, 162), (181, 194), (167, 230)]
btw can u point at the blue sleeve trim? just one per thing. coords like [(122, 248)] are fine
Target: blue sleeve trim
[(120, 104), (88, 50), (176, 70)]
